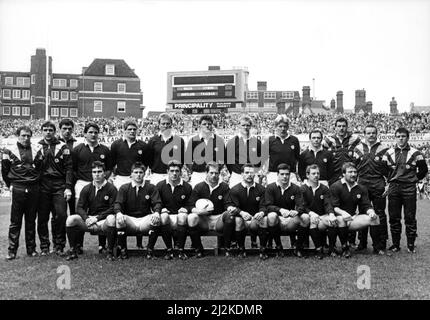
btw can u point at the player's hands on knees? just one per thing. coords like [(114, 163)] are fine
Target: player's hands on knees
[(245, 215), (90, 221), (315, 218), (332, 220), (371, 213), (259, 216), (120, 219), (285, 213), (183, 210), (67, 194), (155, 219), (293, 213)]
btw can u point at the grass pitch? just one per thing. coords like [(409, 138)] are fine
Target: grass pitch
[(401, 276)]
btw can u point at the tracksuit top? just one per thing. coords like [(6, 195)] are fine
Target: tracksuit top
[(20, 165), (100, 205), (123, 157), (406, 165), (174, 148), (56, 162), (291, 199), (320, 202), (349, 201), (180, 197), (137, 205), (218, 196)]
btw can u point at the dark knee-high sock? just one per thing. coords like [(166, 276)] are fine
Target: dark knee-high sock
[(316, 237), (262, 234), (166, 234), (351, 237), (102, 240), (195, 237), (344, 235), (80, 239), (228, 229), (139, 241), (375, 234), (111, 237), (122, 240), (332, 235), (301, 232), (182, 235), (240, 238), (362, 235), (72, 233), (293, 238), (253, 237), (275, 233), (154, 231)]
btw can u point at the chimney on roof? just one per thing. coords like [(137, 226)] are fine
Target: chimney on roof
[(339, 98), (214, 68), (84, 69), (261, 85)]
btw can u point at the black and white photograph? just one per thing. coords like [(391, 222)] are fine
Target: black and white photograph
[(214, 157)]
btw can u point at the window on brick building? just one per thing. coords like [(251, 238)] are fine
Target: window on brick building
[(8, 81), (16, 94), (54, 112), (6, 93), (110, 69), (55, 95), (73, 112), (16, 111), (269, 95), (98, 86), (120, 106), (73, 83), (33, 79), (26, 94), (252, 95), (6, 111), (98, 106), (64, 95), (73, 95), (64, 112), (25, 111), (121, 87)]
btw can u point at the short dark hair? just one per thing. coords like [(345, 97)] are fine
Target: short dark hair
[(98, 164), (174, 163), (342, 119), (130, 123), (23, 128), (48, 124), (213, 164), (66, 122), (370, 126), (311, 167), (348, 165), (138, 165), (316, 131), (247, 165), (206, 118), (402, 130), (89, 125), (283, 166)]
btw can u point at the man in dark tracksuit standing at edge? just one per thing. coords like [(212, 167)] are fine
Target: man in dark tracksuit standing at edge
[(21, 171), (55, 189), (406, 167), (372, 173)]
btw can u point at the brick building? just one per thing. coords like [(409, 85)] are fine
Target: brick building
[(107, 88)]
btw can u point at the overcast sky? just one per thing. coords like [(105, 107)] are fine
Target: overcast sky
[(381, 46)]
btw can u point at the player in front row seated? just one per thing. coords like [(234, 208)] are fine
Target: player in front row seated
[(133, 210), (347, 195), (317, 203), (94, 212), (284, 203), (247, 198), (218, 219), (175, 195)]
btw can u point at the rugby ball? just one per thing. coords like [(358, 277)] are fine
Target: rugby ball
[(204, 205)]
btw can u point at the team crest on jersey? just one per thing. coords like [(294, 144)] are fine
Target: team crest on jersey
[(322, 197), (102, 156), (254, 149), (292, 147), (147, 197), (175, 147), (66, 151), (220, 197), (414, 163), (106, 197), (139, 151), (334, 153), (325, 160), (183, 197), (350, 153), (257, 198), (376, 158), (56, 160), (216, 149), (292, 197), (358, 196), (408, 166)]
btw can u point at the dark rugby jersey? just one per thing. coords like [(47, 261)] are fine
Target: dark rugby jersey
[(100, 205), (324, 160), (371, 168), (320, 202), (70, 143), (199, 153), (287, 152), (123, 156), (218, 196), (405, 165), (251, 202), (175, 149), (180, 197), (83, 158), (57, 162), (291, 199), (137, 205), (349, 201), (20, 165), (240, 151), (343, 151)]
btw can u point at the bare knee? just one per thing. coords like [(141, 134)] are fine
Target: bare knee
[(72, 220), (110, 220), (305, 220), (182, 219), (165, 220), (240, 224), (272, 219), (193, 219)]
